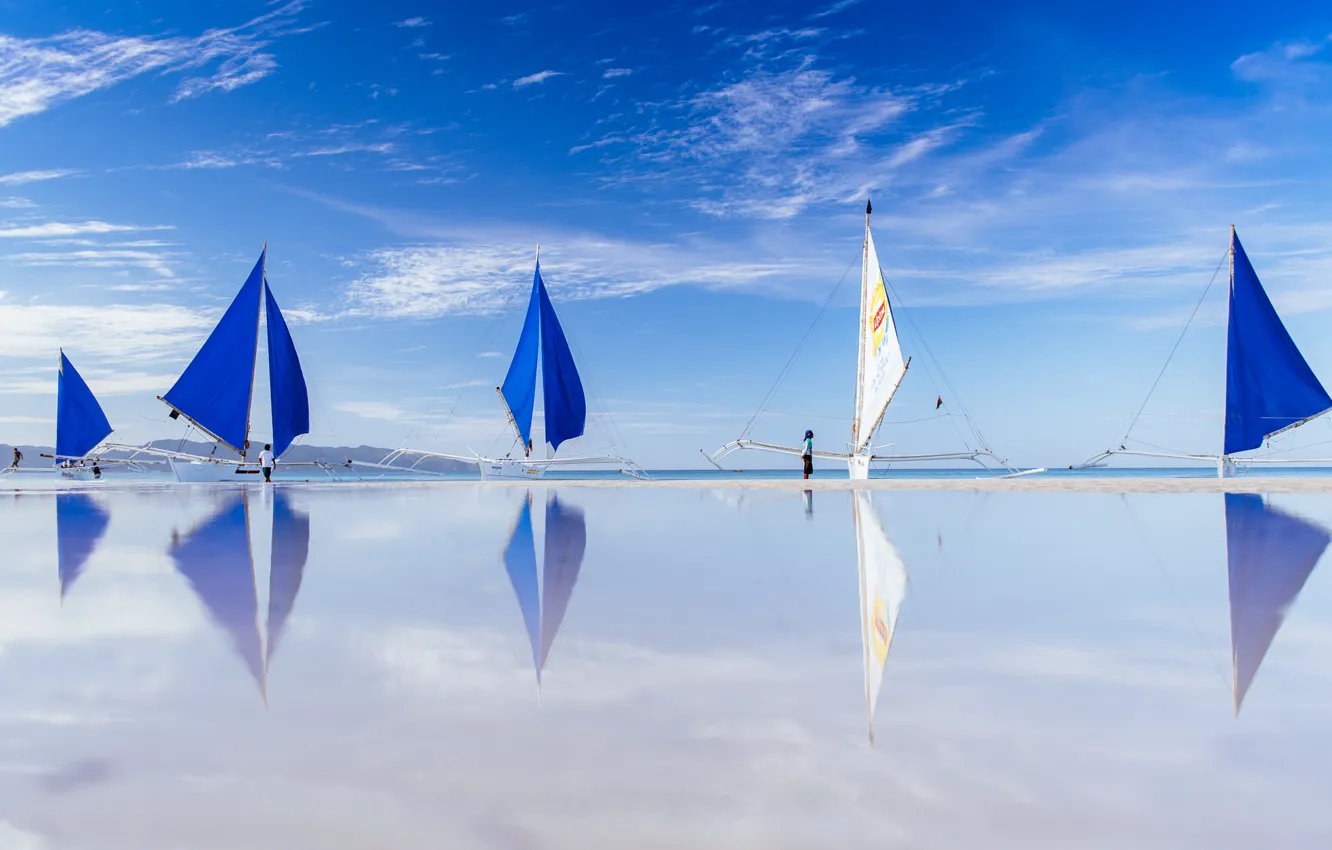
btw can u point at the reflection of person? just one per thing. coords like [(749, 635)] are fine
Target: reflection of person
[(18, 456), (809, 504), (807, 453), (266, 462)]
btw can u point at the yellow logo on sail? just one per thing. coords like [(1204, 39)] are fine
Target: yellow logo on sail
[(879, 634), (878, 315)]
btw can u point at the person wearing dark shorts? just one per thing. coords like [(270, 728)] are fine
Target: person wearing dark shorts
[(266, 462), (807, 453)]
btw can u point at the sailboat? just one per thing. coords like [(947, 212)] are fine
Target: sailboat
[(544, 603), (214, 392), (80, 525), (1270, 388), (883, 586), (1269, 557), (542, 341), (217, 559), (880, 369)]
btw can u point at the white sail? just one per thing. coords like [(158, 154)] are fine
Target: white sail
[(883, 584), (881, 364)]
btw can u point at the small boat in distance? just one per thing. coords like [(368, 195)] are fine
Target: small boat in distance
[(1270, 388), (214, 392), (81, 425), (879, 372), (542, 342)]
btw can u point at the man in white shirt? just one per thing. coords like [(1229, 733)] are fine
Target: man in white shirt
[(266, 462)]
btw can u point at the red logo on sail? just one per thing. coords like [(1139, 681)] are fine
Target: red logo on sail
[(878, 316)]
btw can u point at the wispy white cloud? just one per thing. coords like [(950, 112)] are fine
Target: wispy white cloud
[(55, 229), (105, 331), (1287, 64), (533, 79), (39, 73), (20, 177), (425, 281), (16, 203), (413, 23), (612, 73), (373, 410), (839, 6)]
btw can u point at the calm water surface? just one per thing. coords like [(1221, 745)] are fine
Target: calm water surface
[(565, 667)]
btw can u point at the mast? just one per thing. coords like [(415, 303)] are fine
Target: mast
[(254, 363), (860, 359), (1230, 305)]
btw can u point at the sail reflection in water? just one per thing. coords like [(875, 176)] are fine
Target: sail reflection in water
[(883, 585), (1270, 555), (216, 557), (80, 524), (543, 605)]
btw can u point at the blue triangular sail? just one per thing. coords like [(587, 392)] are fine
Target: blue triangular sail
[(215, 557), (1269, 386), (291, 549), (286, 381), (214, 390), (80, 421), (566, 541), (519, 388), (565, 404), (80, 524), (520, 562), (1269, 556)]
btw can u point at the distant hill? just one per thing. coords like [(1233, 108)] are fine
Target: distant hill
[(32, 455)]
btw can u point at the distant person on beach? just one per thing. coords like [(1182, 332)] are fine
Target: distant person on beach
[(807, 453), (266, 462), (18, 456)]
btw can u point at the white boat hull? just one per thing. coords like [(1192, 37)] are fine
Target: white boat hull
[(75, 473), (509, 469), (213, 472), (858, 466)]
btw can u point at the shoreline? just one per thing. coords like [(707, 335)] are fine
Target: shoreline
[(1027, 484)]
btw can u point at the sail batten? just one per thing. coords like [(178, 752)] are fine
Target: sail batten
[(1269, 385), (290, 400), (881, 366), (80, 421), (215, 389)]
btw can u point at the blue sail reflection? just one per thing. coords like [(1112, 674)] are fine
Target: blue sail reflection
[(1269, 556), (544, 603), (217, 559), (80, 525)]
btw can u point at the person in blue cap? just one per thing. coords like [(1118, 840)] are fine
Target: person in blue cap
[(807, 453)]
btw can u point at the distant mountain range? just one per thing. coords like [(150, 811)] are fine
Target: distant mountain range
[(32, 455)]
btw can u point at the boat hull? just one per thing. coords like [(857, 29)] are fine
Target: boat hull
[(509, 469), (858, 466), (213, 472), (75, 473)]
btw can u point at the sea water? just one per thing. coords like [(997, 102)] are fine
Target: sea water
[(558, 666)]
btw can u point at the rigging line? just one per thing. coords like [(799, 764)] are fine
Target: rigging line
[(1175, 347), (1174, 589), (781, 375), (938, 364)]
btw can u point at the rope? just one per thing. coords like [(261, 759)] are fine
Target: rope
[(781, 375), (1133, 422), (952, 391)]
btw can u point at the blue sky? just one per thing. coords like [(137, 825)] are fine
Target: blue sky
[(1052, 189)]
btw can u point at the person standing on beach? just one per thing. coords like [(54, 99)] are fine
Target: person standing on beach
[(18, 456), (266, 462), (807, 453)]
